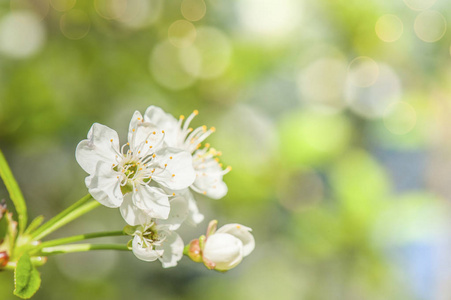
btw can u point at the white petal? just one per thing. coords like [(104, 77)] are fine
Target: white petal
[(104, 186), (152, 201), (223, 249), (143, 136), (98, 147), (166, 122), (209, 176), (241, 232), (131, 213), (194, 217), (159, 117), (177, 215), (212, 187), (173, 249), (144, 253), (179, 173)]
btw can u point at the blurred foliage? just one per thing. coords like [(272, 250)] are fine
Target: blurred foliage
[(334, 119)]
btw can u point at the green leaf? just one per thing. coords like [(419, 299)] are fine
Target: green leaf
[(26, 278), (34, 224), (14, 192)]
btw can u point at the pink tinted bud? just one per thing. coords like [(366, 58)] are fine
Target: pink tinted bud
[(194, 251), (4, 258)]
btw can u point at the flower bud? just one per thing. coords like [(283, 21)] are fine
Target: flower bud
[(4, 258), (194, 251), (222, 251)]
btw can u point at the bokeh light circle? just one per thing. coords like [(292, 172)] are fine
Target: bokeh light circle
[(166, 67), (321, 83), (75, 24), (193, 10), (269, 18), (363, 71), (181, 33), (139, 13), (389, 28), (430, 26), (21, 34), (419, 4), (214, 51), (111, 9), (400, 118), (372, 101)]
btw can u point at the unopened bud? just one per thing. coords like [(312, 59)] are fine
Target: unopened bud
[(193, 251), (4, 258), (225, 248)]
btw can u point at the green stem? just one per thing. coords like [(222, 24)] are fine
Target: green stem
[(14, 191), (74, 211), (76, 238), (80, 248)]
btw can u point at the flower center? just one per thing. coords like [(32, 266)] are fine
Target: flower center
[(130, 169), (151, 234)]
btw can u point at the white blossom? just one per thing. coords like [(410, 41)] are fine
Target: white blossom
[(209, 171), (152, 241), (139, 170)]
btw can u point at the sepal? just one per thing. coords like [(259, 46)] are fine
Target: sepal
[(193, 251)]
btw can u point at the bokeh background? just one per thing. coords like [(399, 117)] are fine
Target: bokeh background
[(334, 114)]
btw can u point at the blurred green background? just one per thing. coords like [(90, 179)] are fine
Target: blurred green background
[(334, 115)]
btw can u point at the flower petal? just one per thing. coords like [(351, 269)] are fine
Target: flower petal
[(142, 252), (241, 232), (211, 186), (104, 186), (174, 168), (194, 217), (144, 136), (131, 213), (172, 249), (209, 174), (178, 214), (152, 200), (166, 122), (102, 145)]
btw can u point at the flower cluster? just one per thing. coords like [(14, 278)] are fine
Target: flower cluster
[(155, 179)]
